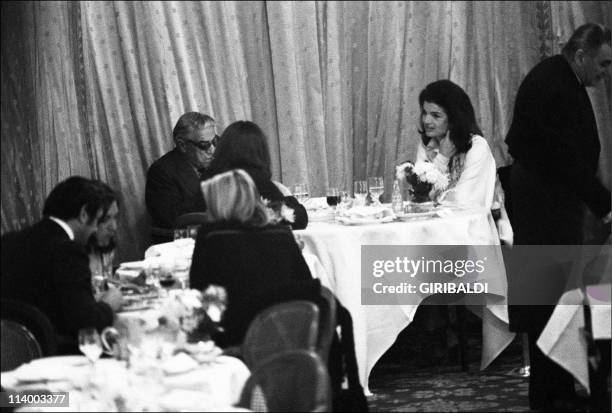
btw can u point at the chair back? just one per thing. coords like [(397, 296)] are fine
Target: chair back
[(190, 219), (34, 320), (19, 345), (292, 381), (292, 325), (327, 323)]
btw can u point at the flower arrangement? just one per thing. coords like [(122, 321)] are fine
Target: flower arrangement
[(278, 212), (194, 314), (423, 177)]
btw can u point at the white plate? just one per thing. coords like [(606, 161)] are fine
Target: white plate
[(412, 215), (49, 369), (61, 361), (365, 221), (135, 307), (321, 215)]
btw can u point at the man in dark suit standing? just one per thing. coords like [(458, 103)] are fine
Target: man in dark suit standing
[(47, 265), (173, 181), (554, 141)]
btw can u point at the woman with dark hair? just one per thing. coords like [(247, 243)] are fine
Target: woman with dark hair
[(451, 139), (243, 145)]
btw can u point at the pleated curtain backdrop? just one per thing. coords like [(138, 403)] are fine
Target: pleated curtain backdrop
[(94, 88)]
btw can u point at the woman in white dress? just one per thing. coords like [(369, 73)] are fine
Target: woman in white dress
[(452, 140)]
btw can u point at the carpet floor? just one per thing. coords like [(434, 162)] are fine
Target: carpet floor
[(404, 380)]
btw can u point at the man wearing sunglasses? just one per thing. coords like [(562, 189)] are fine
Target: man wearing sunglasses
[(173, 181)]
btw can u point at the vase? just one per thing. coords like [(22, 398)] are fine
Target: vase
[(419, 198)]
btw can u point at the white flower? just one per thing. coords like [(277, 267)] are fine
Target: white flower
[(288, 214), (428, 172), (421, 168), (214, 312), (400, 170)]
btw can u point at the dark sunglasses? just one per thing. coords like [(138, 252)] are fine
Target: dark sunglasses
[(204, 145)]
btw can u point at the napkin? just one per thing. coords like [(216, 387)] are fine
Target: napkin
[(126, 275), (313, 204), (180, 363), (367, 212)]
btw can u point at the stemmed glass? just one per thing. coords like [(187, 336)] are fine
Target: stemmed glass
[(301, 193), (90, 344), (333, 197), (180, 233), (361, 191), (376, 186)]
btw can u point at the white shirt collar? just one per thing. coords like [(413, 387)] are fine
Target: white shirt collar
[(65, 226), (577, 77), (573, 70)]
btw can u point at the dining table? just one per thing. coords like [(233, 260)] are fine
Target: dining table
[(333, 252), (159, 372), (564, 339)]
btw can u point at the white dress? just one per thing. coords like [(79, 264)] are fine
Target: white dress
[(475, 185)]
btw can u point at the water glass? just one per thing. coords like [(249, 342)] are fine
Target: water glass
[(360, 189), (153, 273), (90, 344), (345, 199), (376, 186), (98, 283), (301, 193), (180, 271)]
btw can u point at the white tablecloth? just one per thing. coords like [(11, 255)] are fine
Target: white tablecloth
[(376, 327), (563, 340), (214, 386)]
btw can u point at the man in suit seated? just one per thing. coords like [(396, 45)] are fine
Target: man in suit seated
[(47, 265), (173, 181)]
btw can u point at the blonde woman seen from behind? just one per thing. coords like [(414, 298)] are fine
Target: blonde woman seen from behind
[(233, 197)]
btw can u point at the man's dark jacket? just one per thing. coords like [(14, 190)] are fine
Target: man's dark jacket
[(554, 141), (554, 134), (42, 266), (172, 189)]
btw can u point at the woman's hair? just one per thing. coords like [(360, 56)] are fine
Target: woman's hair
[(232, 196), (242, 145), (458, 107)]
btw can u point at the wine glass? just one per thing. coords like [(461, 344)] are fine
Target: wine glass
[(333, 197), (90, 344), (180, 271), (301, 193), (376, 186), (360, 191), (180, 233)]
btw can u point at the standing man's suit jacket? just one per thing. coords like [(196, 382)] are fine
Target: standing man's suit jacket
[(554, 133), (42, 266), (554, 141)]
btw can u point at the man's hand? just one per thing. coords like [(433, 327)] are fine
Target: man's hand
[(447, 147), (112, 297), (608, 218)]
